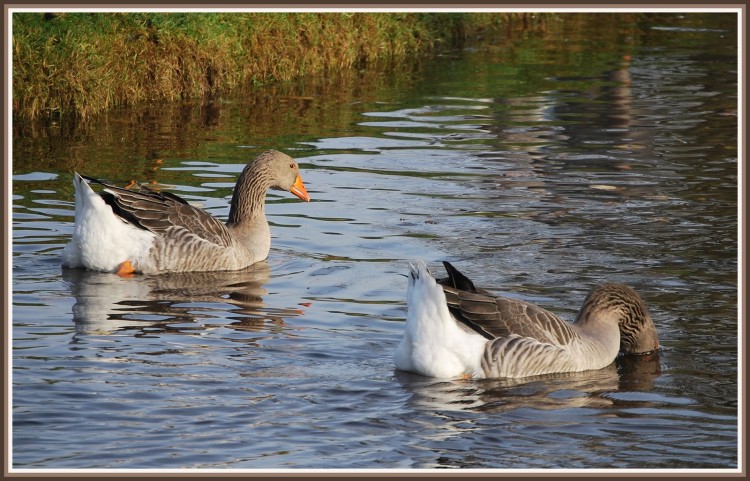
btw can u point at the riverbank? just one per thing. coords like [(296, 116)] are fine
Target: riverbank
[(86, 63)]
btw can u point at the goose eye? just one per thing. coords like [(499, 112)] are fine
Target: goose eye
[(291, 166)]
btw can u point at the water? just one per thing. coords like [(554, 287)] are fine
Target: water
[(538, 167)]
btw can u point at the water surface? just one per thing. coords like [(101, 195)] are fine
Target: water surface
[(538, 167)]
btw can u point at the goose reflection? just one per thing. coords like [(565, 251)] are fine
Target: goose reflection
[(106, 303), (588, 389)]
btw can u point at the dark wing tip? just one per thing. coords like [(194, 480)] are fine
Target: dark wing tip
[(457, 279), (90, 179)]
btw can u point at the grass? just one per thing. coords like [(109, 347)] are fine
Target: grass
[(86, 63)]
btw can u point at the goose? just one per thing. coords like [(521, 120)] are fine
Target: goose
[(455, 330), (150, 232)]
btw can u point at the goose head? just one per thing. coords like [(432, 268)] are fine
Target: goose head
[(282, 173), (269, 170), (621, 304)]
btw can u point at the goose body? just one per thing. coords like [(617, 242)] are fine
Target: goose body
[(155, 232), (455, 329)]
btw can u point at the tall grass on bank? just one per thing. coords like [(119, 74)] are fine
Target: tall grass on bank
[(84, 63)]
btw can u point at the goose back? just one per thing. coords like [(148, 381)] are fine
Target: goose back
[(499, 317), (159, 212)]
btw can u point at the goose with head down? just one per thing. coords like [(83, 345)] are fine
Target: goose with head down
[(454, 329), (153, 232)]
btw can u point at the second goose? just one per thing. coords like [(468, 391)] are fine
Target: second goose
[(454, 329)]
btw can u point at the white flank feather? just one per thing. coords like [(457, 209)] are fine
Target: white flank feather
[(434, 344), (102, 241)]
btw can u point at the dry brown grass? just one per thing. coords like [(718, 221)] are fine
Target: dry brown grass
[(84, 63)]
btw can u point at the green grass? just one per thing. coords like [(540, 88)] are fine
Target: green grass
[(86, 63)]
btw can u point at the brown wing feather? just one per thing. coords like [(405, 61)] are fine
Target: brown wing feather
[(496, 316), (158, 211)]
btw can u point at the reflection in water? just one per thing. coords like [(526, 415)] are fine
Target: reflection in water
[(481, 423), (537, 124), (588, 389), (155, 133), (106, 303)]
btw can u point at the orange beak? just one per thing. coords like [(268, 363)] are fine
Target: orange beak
[(299, 190)]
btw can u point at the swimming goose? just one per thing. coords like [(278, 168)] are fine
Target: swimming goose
[(153, 232), (454, 330)]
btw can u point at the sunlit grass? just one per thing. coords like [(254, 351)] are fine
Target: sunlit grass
[(85, 63)]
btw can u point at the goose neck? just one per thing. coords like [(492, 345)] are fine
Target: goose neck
[(249, 197)]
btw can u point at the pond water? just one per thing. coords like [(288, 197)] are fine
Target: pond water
[(540, 165)]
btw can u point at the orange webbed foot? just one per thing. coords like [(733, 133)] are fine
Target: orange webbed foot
[(126, 269)]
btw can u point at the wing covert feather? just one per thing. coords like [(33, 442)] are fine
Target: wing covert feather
[(158, 211), (497, 317)]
